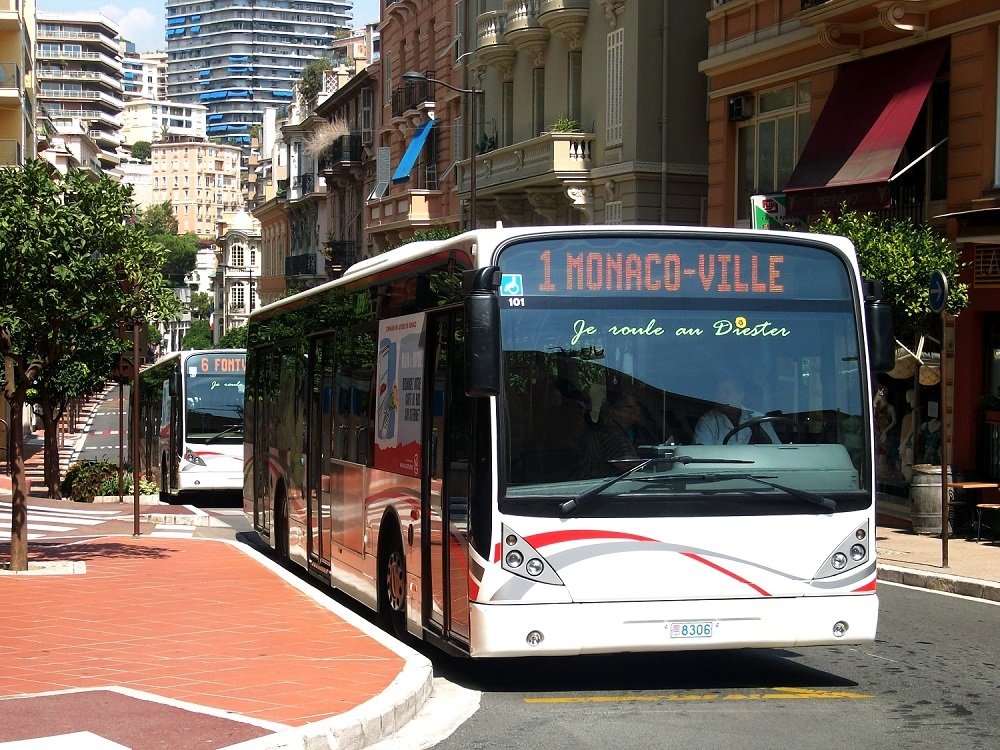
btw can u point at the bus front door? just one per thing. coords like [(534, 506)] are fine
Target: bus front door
[(447, 425)]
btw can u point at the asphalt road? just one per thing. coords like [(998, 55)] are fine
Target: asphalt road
[(930, 681)]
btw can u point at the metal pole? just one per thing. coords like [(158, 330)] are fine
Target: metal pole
[(944, 440), (135, 430), (472, 158), (121, 434)]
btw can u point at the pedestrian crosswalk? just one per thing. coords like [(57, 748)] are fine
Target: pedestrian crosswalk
[(173, 530), (44, 521)]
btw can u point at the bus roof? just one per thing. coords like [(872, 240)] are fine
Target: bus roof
[(495, 237)]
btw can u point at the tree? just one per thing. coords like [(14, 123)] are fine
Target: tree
[(72, 263), (234, 338), (141, 150), (198, 336), (158, 219), (311, 82), (181, 255), (201, 305), (902, 257)]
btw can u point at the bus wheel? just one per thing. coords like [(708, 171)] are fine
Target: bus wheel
[(280, 526), (393, 584)]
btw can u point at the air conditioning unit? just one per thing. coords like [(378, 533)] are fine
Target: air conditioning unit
[(740, 107)]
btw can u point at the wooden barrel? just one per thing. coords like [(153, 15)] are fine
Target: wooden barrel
[(925, 494)]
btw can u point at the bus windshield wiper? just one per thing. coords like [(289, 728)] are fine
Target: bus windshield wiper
[(226, 431), (810, 497), (573, 503)]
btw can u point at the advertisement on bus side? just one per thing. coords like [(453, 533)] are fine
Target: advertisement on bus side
[(399, 394)]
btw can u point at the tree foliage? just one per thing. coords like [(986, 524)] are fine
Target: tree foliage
[(902, 256), (198, 336), (72, 263), (311, 82), (142, 151), (234, 338), (160, 225), (201, 305), (158, 219)]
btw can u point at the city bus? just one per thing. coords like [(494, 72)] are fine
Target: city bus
[(191, 423), (425, 435)]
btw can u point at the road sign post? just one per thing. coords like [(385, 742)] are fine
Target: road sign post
[(938, 296)]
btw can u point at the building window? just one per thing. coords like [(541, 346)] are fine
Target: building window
[(538, 101), (770, 144), (613, 212), (574, 89), (237, 298), (236, 256), (367, 114), (507, 116), (616, 79)]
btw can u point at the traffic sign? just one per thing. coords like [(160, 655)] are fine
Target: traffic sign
[(938, 290)]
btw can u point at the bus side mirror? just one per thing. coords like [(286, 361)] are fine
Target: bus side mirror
[(878, 319), (482, 331), (174, 385)]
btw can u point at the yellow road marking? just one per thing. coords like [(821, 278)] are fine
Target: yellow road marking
[(778, 693)]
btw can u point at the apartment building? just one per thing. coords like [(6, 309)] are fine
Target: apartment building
[(17, 95), (200, 179), (79, 70), (237, 271), (238, 58), (888, 107), (148, 120), (584, 112)]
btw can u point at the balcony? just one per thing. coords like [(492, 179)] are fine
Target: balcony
[(11, 153), (547, 160), (415, 210), (491, 47), (305, 264), (566, 18), (343, 154), (411, 95), (523, 30), (282, 191), (340, 254)]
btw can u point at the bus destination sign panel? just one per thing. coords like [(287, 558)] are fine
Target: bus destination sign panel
[(218, 364), (652, 271)]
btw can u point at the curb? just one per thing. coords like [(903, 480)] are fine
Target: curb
[(949, 584), (372, 721)]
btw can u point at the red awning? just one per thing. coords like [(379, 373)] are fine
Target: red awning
[(862, 129)]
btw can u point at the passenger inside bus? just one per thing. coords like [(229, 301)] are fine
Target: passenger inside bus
[(729, 411)]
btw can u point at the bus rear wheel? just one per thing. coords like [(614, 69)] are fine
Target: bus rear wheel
[(280, 526), (393, 585)]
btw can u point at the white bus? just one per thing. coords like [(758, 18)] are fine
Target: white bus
[(429, 434), (191, 414)]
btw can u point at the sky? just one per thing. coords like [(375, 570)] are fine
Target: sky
[(142, 21)]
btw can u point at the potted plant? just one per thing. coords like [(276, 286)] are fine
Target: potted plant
[(565, 125)]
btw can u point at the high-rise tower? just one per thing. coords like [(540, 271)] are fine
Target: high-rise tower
[(238, 57)]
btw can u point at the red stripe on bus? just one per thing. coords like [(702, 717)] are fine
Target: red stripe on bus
[(729, 573), (870, 586)]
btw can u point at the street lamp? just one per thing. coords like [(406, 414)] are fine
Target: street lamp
[(414, 76)]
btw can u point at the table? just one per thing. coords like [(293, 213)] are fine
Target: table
[(975, 487)]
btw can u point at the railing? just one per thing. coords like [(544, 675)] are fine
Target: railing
[(412, 93), (347, 148), (806, 4), (305, 183), (342, 253), (301, 265)]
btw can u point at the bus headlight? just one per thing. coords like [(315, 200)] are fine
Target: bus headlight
[(858, 552), (193, 458), (534, 567), (514, 559), (839, 560), (852, 553)]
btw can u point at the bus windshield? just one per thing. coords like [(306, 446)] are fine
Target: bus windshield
[(728, 368), (215, 408)]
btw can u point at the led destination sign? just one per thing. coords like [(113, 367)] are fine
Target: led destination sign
[(218, 364), (650, 271)]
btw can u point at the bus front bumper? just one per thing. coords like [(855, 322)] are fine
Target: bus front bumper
[(504, 630)]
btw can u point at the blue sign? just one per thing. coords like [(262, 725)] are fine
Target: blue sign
[(938, 290)]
